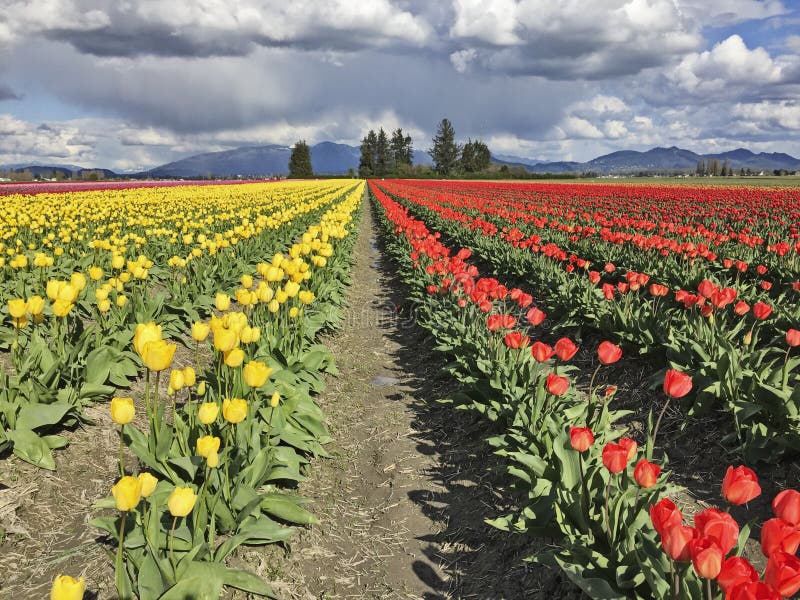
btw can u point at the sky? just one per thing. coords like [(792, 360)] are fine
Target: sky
[(131, 84)]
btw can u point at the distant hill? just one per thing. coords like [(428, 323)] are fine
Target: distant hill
[(329, 158)]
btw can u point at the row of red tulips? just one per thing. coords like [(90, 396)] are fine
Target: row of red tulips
[(588, 485), (739, 351)]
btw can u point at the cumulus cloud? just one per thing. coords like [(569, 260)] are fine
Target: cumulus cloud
[(565, 40), (204, 28)]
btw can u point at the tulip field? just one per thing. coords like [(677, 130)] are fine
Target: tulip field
[(196, 315)]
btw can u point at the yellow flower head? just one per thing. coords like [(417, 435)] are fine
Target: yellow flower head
[(181, 501), (35, 305), (176, 381), (158, 355), (121, 301), (200, 331), (122, 410), (275, 400), (234, 410), (256, 373), (78, 281), (247, 281), (207, 444), (212, 460), (61, 308), (234, 357), (222, 301), (67, 588), (225, 340), (127, 492), (148, 483), (208, 411), (189, 376), (145, 332), (95, 273), (17, 307)]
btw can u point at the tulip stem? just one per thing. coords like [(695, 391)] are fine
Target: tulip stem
[(584, 490), (172, 543), (608, 516), (121, 459), (658, 421), (147, 395), (590, 415), (708, 590), (121, 537)]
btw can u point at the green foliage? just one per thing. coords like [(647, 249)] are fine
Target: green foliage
[(300, 161), (445, 152)]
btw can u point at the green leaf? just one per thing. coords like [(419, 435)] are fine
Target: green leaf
[(278, 505), (31, 448), (33, 416)]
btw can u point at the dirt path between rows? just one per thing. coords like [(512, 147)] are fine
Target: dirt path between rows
[(403, 499)]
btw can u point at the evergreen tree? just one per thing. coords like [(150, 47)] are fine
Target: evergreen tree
[(726, 168), (401, 150), (475, 156), (383, 161), (300, 161), (445, 152), (366, 165)]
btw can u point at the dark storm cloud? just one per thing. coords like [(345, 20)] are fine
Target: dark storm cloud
[(6, 93)]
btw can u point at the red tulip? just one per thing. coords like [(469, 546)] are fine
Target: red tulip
[(515, 340), (740, 485), (581, 438), (676, 542), (787, 506), (485, 306), (706, 288), (741, 308), (761, 269), (677, 384), (594, 277), (609, 353), (608, 291), (752, 590), (432, 289), (664, 514), (615, 457), (609, 268), (766, 285), (535, 316), (565, 349), (735, 570), (793, 338), (761, 310), (556, 384), (706, 557), (718, 526), (541, 351), (783, 573), (630, 445), (658, 290), (646, 473), (777, 534)]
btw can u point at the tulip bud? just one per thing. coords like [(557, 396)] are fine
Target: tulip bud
[(207, 444), (212, 460), (189, 376), (233, 358), (275, 400), (581, 438), (148, 483), (176, 379), (200, 331), (181, 501), (122, 410), (201, 389), (67, 588), (127, 492)]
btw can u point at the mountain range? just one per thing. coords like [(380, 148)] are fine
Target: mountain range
[(329, 158)]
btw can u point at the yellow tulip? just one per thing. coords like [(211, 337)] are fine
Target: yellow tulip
[(200, 331), (117, 261), (125, 277), (104, 305), (291, 288), (176, 379), (95, 273), (78, 281), (17, 307), (247, 281), (101, 293), (121, 301), (275, 400), (234, 357), (208, 411), (54, 287), (265, 293), (145, 332), (306, 296), (256, 373), (158, 355), (255, 334), (234, 410), (61, 308), (201, 388), (68, 293), (22, 322), (67, 588), (122, 410), (222, 301), (181, 501), (206, 445), (281, 296), (212, 460), (274, 306), (148, 483), (225, 340), (294, 312), (35, 305), (127, 492), (189, 376)]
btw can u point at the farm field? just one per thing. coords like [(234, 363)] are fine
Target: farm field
[(400, 388)]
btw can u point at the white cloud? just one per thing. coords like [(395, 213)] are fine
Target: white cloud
[(728, 62), (730, 12), (770, 116), (462, 59), (20, 18)]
